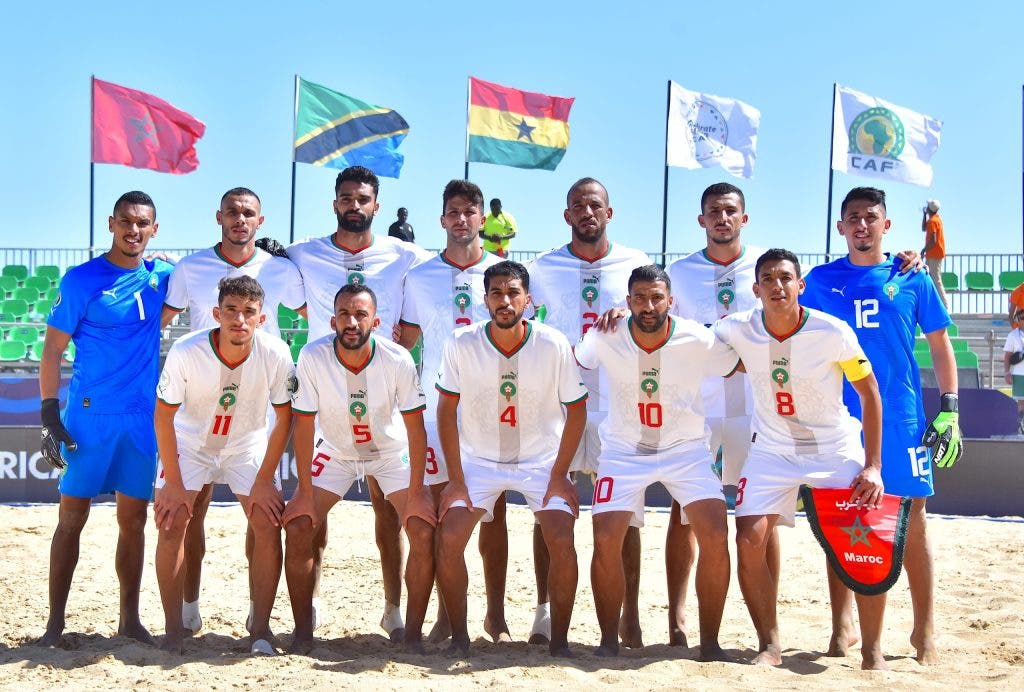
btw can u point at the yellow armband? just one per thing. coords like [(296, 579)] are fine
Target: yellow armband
[(856, 368)]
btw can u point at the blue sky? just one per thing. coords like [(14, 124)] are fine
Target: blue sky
[(233, 67)]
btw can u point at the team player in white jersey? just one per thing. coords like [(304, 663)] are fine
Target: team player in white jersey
[(211, 427), (654, 432), (194, 286), (359, 412), (576, 283), (441, 295), (795, 359), (510, 379), (353, 254)]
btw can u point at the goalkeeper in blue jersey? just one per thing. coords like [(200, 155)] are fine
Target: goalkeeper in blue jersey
[(884, 307)]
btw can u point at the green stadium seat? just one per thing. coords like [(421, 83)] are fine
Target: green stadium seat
[(41, 309), (27, 293), (18, 271), (920, 345), (11, 351), (950, 281), (959, 345), (51, 293), (51, 272), (966, 359), (40, 283), (923, 358), (286, 317), (1010, 280), (295, 352), (301, 323), (15, 308), (25, 334), (69, 352), (953, 330), (300, 338), (35, 351), (7, 286), (979, 281)]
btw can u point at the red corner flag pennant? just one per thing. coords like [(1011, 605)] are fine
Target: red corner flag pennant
[(137, 129)]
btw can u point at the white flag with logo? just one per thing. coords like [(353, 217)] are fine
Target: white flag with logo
[(878, 139), (706, 131)]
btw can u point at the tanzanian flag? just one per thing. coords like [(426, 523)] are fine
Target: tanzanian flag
[(338, 131), (517, 128)]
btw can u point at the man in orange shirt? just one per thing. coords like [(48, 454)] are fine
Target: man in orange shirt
[(934, 245), (1016, 313)]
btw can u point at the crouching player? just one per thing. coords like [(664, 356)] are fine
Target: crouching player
[(803, 434), (354, 394), (211, 427)]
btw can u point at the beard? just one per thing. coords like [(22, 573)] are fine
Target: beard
[(359, 343), (506, 323), (652, 328), (589, 236), (352, 225)]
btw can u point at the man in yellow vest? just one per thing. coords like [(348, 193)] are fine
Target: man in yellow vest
[(498, 230)]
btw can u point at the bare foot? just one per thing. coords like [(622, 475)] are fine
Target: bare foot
[(677, 637), (561, 651), (441, 630), (415, 646), (607, 650), (927, 654), (52, 635), (713, 652), (497, 630), (301, 644), (630, 633), (769, 657), (873, 661), (841, 642), (135, 630), (459, 648), (173, 643)]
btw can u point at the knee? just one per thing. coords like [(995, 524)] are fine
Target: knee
[(561, 544), (749, 544), (71, 522), (299, 535), (261, 527), (135, 522), (420, 534), (608, 539)]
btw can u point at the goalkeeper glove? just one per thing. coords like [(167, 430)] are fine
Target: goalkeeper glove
[(943, 434), (53, 434), (272, 246)]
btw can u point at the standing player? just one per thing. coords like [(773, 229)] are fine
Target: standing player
[(360, 390), (795, 359), (514, 377), (354, 255), (884, 307), (110, 306), (576, 283), (194, 285), (441, 295), (211, 426), (654, 432)]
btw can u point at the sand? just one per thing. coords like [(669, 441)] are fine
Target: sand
[(980, 619)]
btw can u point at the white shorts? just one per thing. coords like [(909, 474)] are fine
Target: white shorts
[(733, 436), (238, 470), (589, 451), (487, 480), (336, 474), (436, 471), (685, 473), (771, 481)]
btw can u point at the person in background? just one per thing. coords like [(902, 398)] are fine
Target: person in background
[(402, 229), (499, 229), (934, 245)]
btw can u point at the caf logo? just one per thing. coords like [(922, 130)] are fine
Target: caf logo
[(877, 132), (462, 301), (709, 131), (649, 386), (780, 376), (891, 290), (357, 409), (507, 390), (356, 279), (725, 297), (590, 294), (227, 400)]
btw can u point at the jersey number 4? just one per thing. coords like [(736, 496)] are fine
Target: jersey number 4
[(508, 416)]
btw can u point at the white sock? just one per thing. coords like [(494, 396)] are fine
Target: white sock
[(542, 620), (190, 618), (392, 618), (317, 619), (248, 619)]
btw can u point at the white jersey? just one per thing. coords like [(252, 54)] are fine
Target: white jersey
[(326, 267), (797, 382), (222, 407), (705, 290), (655, 395), (193, 285), (361, 409), (576, 291), (439, 298), (510, 403)]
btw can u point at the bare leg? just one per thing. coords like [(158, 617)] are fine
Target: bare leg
[(541, 631), (195, 544), (493, 545), (871, 610), (73, 513), (629, 622), (452, 578), (388, 529), (917, 559), (302, 543), (607, 576), (170, 577), (562, 577), (680, 551), (442, 629), (709, 524), (263, 545), (420, 578), (128, 561), (844, 628), (757, 586)]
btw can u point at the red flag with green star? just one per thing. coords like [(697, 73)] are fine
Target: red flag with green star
[(137, 129)]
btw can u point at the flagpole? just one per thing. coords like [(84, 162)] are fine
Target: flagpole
[(1022, 163), (664, 195), (92, 164), (469, 103), (831, 174), (295, 123)]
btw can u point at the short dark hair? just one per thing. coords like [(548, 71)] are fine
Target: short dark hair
[(649, 273), (719, 189), (863, 194), (241, 286), (135, 197), (462, 188), (775, 255), (508, 268), (357, 174), (240, 192), (354, 290), (580, 183)]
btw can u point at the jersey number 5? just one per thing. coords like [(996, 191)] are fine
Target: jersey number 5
[(361, 433)]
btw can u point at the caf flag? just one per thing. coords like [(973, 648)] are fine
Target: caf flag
[(878, 139), (137, 129)]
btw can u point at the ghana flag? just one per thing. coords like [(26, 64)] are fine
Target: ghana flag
[(338, 131), (516, 128)]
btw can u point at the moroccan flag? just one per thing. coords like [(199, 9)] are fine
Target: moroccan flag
[(516, 128), (338, 131), (864, 546), (137, 129)]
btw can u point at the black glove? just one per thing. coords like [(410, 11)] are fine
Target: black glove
[(53, 434), (272, 246)]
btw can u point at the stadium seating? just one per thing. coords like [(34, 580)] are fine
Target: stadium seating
[(295, 352), (923, 358), (966, 359), (7, 286), (51, 272), (26, 334), (40, 283), (27, 293), (15, 310), (950, 281), (12, 351), (953, 330), (979, 281), (1010, 280), (18, 271), (41, 309)]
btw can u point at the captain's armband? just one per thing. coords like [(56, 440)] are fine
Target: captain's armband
[(856, 368)]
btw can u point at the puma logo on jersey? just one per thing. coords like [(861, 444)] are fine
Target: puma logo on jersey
[(840, 291), (112, 293)]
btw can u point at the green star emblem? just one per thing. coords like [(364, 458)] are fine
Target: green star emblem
[(145, 129), (858, 532)]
